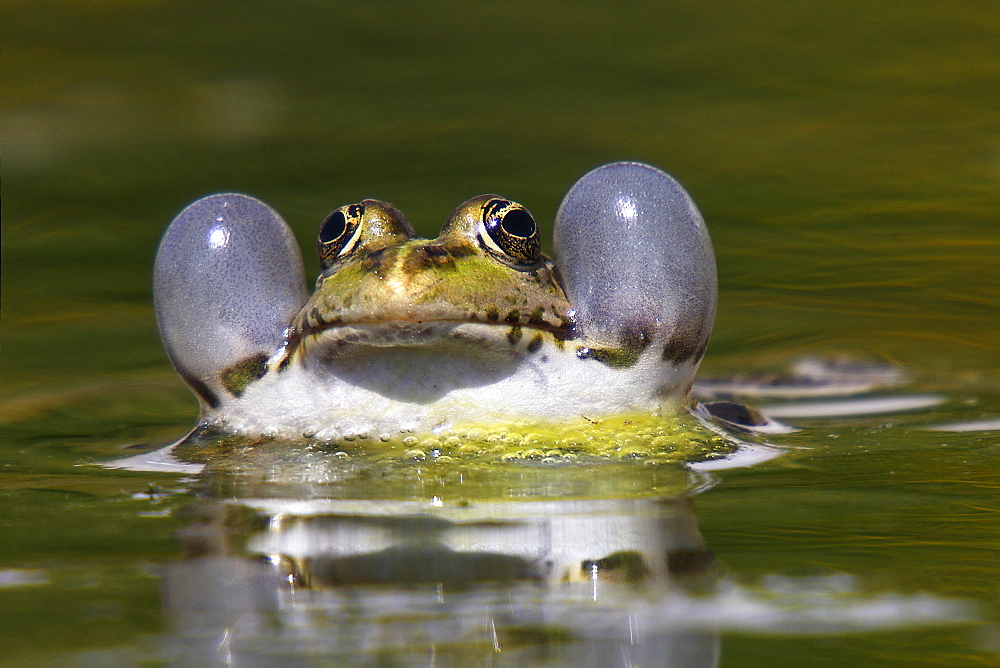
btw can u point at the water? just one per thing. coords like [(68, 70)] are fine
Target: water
[(846, 159)]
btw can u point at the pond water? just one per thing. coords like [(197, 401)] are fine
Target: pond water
[(846, 157)]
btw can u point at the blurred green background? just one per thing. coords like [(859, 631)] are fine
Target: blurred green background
[(846, 157)]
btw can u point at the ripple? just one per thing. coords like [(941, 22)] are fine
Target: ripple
[(852, 407), (987, 424)]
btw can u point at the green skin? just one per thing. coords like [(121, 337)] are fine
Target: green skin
[(389, 280)]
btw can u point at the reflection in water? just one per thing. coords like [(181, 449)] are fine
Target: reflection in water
[(502, 581), (318, 554)]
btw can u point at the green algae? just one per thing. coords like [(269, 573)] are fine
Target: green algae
[(620, 456), (649, 438)]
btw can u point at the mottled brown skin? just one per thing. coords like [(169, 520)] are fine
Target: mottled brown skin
[(385, 276)]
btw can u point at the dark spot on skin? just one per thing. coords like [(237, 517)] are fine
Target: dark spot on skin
[(535, 344), (459, 251), (536, 319), (514, 335), (201, 389), (616, 358), (492, 314), (238, 376), (635, 338), (372, 262), (513, 317), (565, 331), (435, 256), (632, 342), (682, 347), (424, 258)]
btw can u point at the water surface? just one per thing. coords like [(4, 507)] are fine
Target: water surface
[(845, 156)]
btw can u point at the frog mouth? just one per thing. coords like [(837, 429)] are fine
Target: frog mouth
[(333, 340), (387, 334)]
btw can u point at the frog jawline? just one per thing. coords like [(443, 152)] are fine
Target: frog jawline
[(345, 339)]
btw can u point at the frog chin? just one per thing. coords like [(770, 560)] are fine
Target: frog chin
[(420, 363), (392, 378)]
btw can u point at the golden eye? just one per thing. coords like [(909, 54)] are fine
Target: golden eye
[(339, 234), (511, 232)]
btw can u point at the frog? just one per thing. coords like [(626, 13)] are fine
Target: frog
[(404, 334)]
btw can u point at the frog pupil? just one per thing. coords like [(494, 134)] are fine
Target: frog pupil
[(333, 227), (518, 223)]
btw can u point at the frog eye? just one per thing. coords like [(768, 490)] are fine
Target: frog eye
[(511, 232), (339, 233)]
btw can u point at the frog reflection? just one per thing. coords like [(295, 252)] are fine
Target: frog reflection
[(339, 579)]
